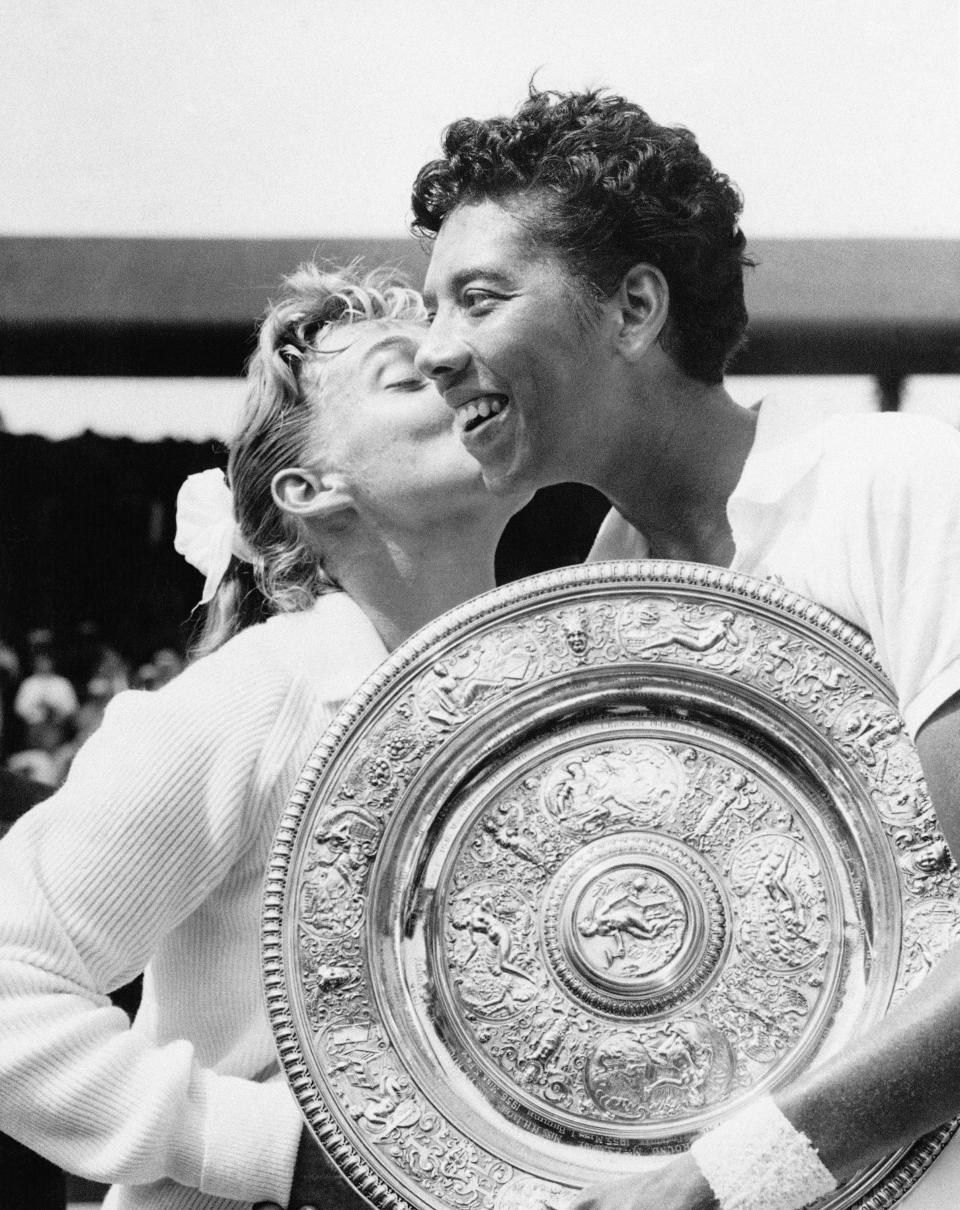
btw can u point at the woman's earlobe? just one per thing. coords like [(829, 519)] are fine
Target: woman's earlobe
[(644, 302), (301, 492), (294, 490)]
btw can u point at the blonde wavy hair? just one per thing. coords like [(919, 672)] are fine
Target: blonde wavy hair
[(285, 381)]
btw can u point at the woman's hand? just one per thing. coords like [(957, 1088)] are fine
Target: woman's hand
[(679, 1185)]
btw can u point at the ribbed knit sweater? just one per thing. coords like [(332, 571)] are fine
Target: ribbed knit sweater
[(151, 857)]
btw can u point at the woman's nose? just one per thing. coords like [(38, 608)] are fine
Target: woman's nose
[(441, 355)]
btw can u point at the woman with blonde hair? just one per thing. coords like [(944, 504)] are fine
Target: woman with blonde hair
[(353, 516)]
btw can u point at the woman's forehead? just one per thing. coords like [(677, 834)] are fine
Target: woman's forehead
[(347, 356), (365, 336)]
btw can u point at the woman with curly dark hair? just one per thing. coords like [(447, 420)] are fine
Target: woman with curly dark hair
[(586, 283)]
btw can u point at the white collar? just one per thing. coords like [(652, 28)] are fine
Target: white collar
[(785, 449)]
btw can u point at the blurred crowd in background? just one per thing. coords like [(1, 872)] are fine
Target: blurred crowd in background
[(54, 690)]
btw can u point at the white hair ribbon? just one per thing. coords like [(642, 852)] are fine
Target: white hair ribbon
[(207, 533)]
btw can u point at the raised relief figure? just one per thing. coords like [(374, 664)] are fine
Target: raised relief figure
[(490, 977), (632, 785), (783, 919), (731, 802), (463, 681), (658, 624), (635, 910)]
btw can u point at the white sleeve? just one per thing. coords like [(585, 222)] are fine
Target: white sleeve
[(156, 812), (904, 561)]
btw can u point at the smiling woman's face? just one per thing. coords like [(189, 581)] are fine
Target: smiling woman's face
[(513, 354), (384, 430)]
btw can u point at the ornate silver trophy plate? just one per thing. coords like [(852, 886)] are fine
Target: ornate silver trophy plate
[(588, 863)]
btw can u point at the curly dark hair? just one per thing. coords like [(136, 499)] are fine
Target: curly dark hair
[(593, 178)]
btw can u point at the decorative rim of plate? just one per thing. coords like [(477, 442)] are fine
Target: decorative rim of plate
[(877, 1188)]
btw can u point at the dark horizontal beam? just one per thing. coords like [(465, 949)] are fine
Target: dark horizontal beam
[(107, 350), (188, 307), (168, 281), (220, 350), (892, 350), (856, 282), (211, 281)]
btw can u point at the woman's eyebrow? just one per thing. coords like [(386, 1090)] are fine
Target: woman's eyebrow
[(397, 340), (373, 357), (463, 277)]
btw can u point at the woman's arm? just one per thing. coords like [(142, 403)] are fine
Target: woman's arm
[(157, 813), (903, 1078)]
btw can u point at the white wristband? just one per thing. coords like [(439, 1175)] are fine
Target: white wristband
[(757, 1161)]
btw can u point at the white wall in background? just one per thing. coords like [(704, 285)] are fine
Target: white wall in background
[(309, 118), (201, 409), (148, 409)]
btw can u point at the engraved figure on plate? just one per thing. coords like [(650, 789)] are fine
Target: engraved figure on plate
[(873, 734), (355, 1055), (638, 921), (783, 920), (330, 899), (633, 784), (579, 631), (925, 859), (662, 1071), (491, 935), (653, 625), (761, 1011), (729, 807), (506, 829), (465, 679), (389, 1110)]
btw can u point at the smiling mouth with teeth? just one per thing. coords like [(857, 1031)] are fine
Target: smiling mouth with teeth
[(478, 411)]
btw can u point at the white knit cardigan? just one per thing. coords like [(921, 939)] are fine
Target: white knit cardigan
[(152, 856)]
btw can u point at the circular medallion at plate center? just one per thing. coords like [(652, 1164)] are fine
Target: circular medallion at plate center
[(634, 923), (627, 927)]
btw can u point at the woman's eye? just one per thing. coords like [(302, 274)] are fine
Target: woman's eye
[(478, 300), (406, 384)]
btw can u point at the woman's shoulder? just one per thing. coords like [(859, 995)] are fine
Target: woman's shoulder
[(320, 656), (332, 645), (867, 439), (241, 684), (890, 459)]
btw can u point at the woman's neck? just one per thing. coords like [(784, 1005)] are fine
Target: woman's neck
[(678, 498), (402, 582)]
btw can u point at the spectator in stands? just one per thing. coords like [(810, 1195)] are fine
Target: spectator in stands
[(90, 714), (160, 669), (167, 664), (46, 705), (45, 701), (9, 680), (47, 760), (111, 672)]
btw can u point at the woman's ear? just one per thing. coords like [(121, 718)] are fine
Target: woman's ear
[(643, 300), (301, 492)]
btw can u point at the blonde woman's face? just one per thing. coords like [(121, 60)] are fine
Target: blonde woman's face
[(384, 429)]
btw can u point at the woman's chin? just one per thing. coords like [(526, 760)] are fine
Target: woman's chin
[(502, 496)]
